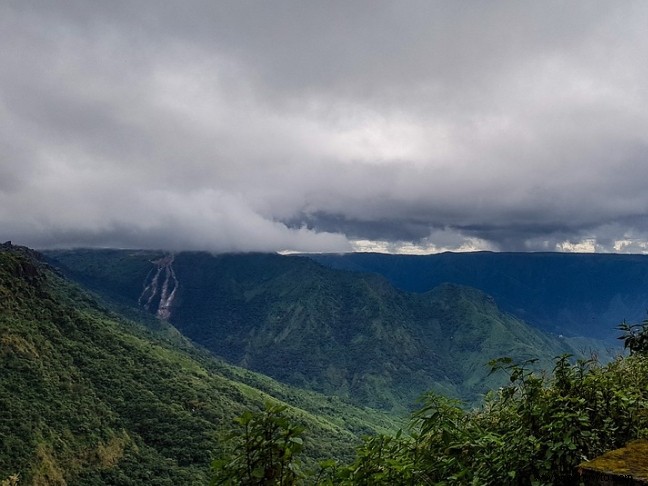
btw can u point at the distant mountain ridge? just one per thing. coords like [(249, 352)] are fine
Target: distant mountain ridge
[(564, 293), (331, 331)]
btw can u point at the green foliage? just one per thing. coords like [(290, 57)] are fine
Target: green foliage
[(635, 336), (536, 430), (265, 451), (88, 397)]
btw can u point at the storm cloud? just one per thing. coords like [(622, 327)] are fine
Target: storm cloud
[(325, 126)]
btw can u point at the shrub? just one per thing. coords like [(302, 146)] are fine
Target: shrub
[(265, 451)]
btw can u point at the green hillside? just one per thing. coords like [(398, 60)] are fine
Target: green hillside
[(566, 293), (89, 397), (336, 332)]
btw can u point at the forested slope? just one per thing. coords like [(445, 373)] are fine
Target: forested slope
[(88, 397)]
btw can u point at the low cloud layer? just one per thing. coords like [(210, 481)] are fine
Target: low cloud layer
[(332, 126)]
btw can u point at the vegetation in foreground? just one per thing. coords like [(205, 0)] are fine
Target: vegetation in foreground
[(534, 431)]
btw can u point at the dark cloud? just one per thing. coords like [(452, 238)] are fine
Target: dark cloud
[(288, 125)]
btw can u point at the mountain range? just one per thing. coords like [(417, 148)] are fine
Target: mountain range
[(349, 334)]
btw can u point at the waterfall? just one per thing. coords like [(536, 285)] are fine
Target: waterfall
[(160, 287)]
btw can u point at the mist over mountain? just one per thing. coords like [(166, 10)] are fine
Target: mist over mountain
[(337, 332), (564, 293)]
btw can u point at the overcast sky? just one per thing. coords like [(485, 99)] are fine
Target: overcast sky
[(400, 126)]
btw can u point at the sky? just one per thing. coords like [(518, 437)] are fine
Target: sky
[(325, 126)]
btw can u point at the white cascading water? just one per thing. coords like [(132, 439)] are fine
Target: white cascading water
[(161, 282)]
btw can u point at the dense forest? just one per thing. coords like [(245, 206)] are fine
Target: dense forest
[(96, 390), (90, 397)]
